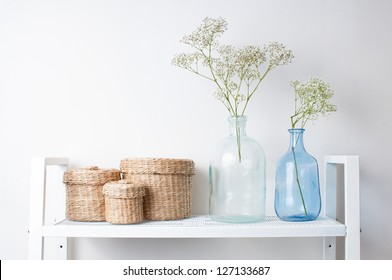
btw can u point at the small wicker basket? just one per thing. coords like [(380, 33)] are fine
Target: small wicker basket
[(167, 183), (85, 201), (123, 202)]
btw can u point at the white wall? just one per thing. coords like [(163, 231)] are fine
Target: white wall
[(93, 81)]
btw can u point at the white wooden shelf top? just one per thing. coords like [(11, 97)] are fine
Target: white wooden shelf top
[(198, 227)]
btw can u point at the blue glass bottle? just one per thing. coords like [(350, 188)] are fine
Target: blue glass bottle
[(297, 188)]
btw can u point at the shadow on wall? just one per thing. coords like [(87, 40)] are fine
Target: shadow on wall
[(200, 192)]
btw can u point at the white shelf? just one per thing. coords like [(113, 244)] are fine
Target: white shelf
[(48, 239), (198, 227)]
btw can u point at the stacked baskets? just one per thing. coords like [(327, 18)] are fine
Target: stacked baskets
[(99, 195)]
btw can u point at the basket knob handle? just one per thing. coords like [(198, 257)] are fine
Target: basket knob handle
[(91, 167)]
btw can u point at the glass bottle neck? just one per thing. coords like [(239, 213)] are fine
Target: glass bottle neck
[(238, 125), (296, 139)]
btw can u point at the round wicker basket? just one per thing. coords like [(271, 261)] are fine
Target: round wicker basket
[(123, 202), (84, 198), (167, 183)]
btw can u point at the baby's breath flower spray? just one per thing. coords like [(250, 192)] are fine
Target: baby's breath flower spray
[(297, 190), (236, 72), (237, 167)]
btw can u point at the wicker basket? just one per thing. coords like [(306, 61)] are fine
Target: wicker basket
[(167, 183), (123, 202), (84, 199)]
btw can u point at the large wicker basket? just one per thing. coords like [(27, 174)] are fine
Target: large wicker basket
[(123, 202), (167, 183), (84, 198)]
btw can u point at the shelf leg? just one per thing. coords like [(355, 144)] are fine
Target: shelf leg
[(329, 248), (351, 202), (352, 208), (55, 248), (47, 196)]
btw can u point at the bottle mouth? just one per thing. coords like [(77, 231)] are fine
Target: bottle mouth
[(296, 130), (238, 118)]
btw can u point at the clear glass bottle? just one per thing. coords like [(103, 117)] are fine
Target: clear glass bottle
[(297, 188), (237, 177)]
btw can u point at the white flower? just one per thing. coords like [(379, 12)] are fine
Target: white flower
[(185, 60), (237, 73), (311, 100), (278, 54), (250, 55), (218, 94), (206, 34)]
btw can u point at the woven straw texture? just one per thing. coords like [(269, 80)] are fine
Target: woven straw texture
[(123, 202), (157, 166), (168, 196), (84, 198), (122, 189), (91, 175)]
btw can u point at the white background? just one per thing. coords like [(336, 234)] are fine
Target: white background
[(93, 81)]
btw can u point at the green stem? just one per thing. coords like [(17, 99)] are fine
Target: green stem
[(214, 79), (238, 135), (254, 90), (297, 179), (197, 73)]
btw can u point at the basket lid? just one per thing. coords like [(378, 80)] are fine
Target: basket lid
[(123, 189), (157, 166), (91, 175)]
